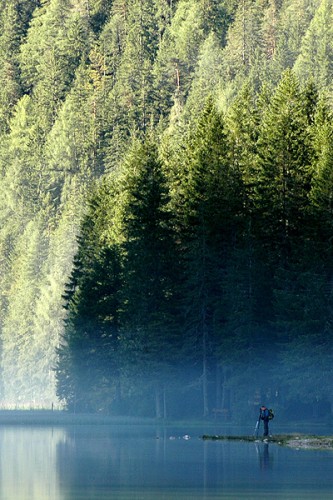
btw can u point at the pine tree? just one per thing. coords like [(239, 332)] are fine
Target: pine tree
[(21, 162), (207, 211), (285, 156), (283, 173), (150, 265), (177, 56), (303, 295), (133, 86), (21, 379), (57, 40), (243, 120), (244, 41), (294, 20), (9, 73), (315, 59), (98, 12), (216, 17), (243, 314), (164, 13), (270, 29), (206, 79), (88, 367), (71, 145), (321, 186), (49, 314)]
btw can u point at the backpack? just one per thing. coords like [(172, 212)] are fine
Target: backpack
[(266, 413)]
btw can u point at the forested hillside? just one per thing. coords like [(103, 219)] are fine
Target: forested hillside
[(166, 205)]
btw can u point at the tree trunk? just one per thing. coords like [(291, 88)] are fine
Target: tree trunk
[(204, 365), (158, 411)]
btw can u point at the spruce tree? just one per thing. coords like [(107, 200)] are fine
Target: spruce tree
[(11, 33), (177, 56), (294, 20), (88, 367), (206, 78), (208, 202), (315, 59), (21, 352), (57, 40), (321, 185), (149, 310), (283, 171), (244, 41)]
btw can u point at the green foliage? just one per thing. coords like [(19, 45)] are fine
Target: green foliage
[(244, 39), (177, 57), (321, 188), (21, 353), (58, 39), (149, 309), (88, 364), (9, 73), (208, 70), (295, 18), (205, 245), (284, 165), (315, 59)]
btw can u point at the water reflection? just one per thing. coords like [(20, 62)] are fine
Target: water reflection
[(28, 463), (156, 463), (100, 462), (264, 456)]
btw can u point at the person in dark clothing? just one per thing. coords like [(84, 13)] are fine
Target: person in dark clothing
[(264, 415)]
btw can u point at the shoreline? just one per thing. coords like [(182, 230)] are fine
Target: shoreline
[(297, 441), (61, 417)]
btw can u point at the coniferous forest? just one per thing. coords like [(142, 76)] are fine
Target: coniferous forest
[(166, 200)]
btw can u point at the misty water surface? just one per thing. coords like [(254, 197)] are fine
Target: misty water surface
[(149, 462)]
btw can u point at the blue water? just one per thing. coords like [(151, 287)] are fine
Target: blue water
[(149, 462)]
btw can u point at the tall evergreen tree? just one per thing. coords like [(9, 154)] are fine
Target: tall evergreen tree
[(209, 200), (11, 33), (132, 95), (177, 55), (295, 17), (321, 185), (243, 346), (150, 265), (282, 206), (20, 353), (58, 39), (71, 145), (283, 172), (244, 40), (206, 79), (315, 59), (88, 367)]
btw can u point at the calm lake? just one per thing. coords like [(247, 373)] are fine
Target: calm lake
[(150, 462)]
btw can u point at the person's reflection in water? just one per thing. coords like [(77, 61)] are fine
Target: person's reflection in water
[(265, 459)]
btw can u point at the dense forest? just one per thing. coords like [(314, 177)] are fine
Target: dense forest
[(166, 198)]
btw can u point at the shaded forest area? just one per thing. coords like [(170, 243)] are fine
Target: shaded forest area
[(166, 175)]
